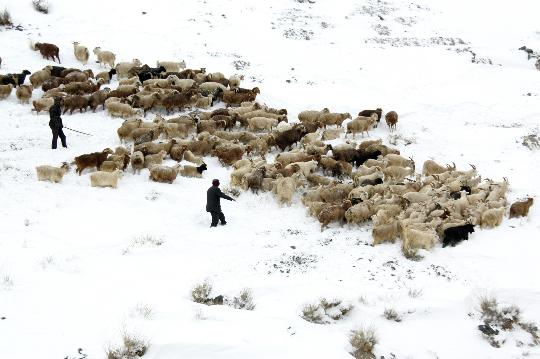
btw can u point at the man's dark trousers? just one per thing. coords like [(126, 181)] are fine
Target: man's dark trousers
[(58, 132), (217, 216)]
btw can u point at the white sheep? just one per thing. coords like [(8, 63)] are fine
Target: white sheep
[(164, 174), (417, 197), (105, 179), (192, 171), (205, 102), (122, 68), (262, 123), (207, 88), (284, 188), (190, 157), (161, 83), (385, 232), (184, 84), (117, 109), (155, 159), (50, 173), (431, 167), (361, 124), (42, 104), (306, 168), (397, 173), (130, 81), (105, 57), (39, 77), (172, 66), (81, 52), (492, 217), (234, 81), (414, 238), (312, 116), (137, 161), (359, 213)]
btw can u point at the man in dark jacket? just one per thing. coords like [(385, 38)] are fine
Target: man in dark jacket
[(213, 206), (56, 123)]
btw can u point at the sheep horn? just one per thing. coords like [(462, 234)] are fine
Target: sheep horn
[(473, 166)]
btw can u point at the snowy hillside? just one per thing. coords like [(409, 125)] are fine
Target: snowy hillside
[(81, 265)]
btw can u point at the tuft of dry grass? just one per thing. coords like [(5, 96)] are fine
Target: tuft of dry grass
[(363, 341), (143, 310), (391, 314), (313, 313), (414, 293)]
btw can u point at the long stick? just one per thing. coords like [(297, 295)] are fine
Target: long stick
[(84, 133)]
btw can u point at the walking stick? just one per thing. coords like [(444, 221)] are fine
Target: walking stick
[(84, 133)]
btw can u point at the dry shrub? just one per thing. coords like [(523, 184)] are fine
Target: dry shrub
[(132, 347), (41, 6), (5, 18), (363, 342), (201, 292), (496, 319), (325, 311), (244, 300)]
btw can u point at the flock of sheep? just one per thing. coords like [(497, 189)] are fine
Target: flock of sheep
[(350, 182)]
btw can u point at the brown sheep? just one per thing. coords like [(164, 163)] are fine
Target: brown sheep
[(520, 209), (229, 154), (391, 119), (81, 88), (52, 83), (47, 50), (98, 98), (24, 93), (333, 118), (333, 213), (145, 102), (288, 138), (177, 152), (237, 97), (5, 91), (76, 76), (72, 103), (127, 127), (179, 100), (94, 159)]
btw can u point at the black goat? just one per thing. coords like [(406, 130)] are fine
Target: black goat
[(147, 72), (454, 235), (14, 79), (56, 71)]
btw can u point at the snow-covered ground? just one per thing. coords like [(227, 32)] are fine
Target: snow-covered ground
[(75, 268)]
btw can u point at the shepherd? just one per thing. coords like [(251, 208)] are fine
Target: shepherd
[(213, 206), (55, 123)]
